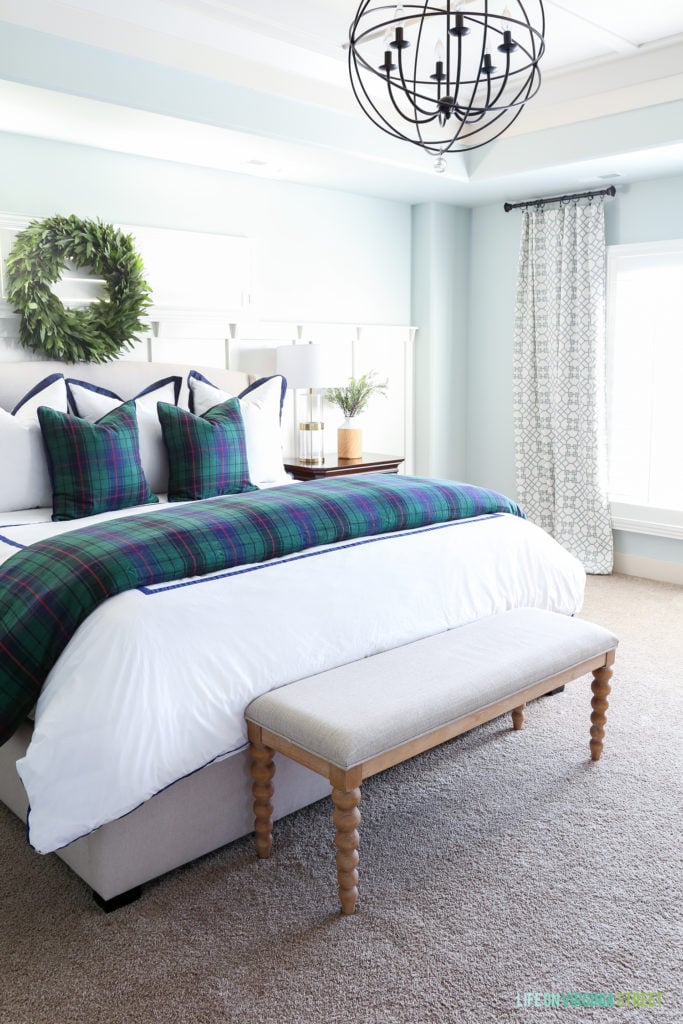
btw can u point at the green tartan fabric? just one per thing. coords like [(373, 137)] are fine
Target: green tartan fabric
[(207, 455), (48, 589), (94, 467)]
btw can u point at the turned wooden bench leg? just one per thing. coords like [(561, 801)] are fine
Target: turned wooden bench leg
[(518, 717), (347, 819), (262, 771), (601, 689)]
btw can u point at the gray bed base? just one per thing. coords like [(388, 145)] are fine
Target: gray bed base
[(195, 816)]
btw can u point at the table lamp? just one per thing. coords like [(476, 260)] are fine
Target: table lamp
[(302, 366)]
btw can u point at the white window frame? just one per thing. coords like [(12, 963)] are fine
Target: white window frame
[(634, 518)]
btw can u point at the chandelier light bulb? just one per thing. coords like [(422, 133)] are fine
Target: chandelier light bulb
[(440, 165)]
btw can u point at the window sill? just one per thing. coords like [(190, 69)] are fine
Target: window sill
[(657, 522)]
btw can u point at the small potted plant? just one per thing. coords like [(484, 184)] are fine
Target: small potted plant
[(352, 400)]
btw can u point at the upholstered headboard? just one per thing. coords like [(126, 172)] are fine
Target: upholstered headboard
[(126, 378)]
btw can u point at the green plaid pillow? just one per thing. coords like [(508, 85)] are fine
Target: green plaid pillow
[(94, 467), (207, 454)]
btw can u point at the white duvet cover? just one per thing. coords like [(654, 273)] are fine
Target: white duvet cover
[(155, 682)]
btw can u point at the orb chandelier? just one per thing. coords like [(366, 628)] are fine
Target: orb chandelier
[(447, 76)]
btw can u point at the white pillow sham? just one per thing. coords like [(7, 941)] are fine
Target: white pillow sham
[(261, 408), (25, 478), (92, 403)]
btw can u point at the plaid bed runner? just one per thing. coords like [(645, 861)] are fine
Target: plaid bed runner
[(49, 588)]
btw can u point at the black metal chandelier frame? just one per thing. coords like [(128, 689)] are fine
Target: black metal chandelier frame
[(469, 106)]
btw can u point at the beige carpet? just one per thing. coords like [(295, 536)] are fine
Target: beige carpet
[(499, 864)]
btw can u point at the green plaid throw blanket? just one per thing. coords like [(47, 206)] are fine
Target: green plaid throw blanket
[(49, 588)]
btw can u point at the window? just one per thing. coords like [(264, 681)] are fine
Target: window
[(645, 386)]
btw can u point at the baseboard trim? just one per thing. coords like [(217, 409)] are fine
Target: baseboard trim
[(649, 568)]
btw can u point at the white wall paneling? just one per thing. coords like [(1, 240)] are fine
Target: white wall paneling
[(191, 270), (350, 350), (188, 271), (204, 313)]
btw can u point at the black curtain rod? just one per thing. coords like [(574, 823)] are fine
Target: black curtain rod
[(611, 191)]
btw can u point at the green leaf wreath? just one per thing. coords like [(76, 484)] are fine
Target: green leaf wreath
[(101, 330)]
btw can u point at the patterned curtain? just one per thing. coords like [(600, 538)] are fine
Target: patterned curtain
[(559, 379)]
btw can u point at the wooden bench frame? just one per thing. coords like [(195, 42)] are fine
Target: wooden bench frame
[(346, 783)]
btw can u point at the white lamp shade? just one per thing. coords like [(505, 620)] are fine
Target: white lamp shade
[(302, 365)]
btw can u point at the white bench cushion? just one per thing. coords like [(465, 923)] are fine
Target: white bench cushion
[(353, 713)]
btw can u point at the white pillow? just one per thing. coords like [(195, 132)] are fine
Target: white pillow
[(92, 403), (261, 408), (25, 478)]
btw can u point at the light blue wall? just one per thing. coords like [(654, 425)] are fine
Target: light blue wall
[(663, 548), (440, 265), (647, 211), (642, 212), (323, 255), (51, 62), (493, 273)]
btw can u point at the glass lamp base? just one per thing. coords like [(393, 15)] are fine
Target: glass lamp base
[(312, 443)]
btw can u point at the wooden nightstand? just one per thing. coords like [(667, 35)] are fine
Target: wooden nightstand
[(332, 466)]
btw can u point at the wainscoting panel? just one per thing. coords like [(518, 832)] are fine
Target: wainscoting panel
[(206, 312)]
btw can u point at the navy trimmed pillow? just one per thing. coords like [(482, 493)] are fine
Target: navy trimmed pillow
[(51, 390), (86, 398), (92, 402), (202, 398), (261, 407), (94, 467), (25, 480), (207, 455)]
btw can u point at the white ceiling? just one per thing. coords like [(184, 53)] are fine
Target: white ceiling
[(605, 59)]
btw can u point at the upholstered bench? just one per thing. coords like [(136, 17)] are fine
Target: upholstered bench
[(356, 720)]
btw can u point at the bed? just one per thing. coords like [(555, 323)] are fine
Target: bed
[(117, 789)]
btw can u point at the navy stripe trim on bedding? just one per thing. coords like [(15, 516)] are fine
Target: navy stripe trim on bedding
[(48, 589), (12, 543), (164, 588)]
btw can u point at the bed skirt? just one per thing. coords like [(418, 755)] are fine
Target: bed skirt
[(193, 817)]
